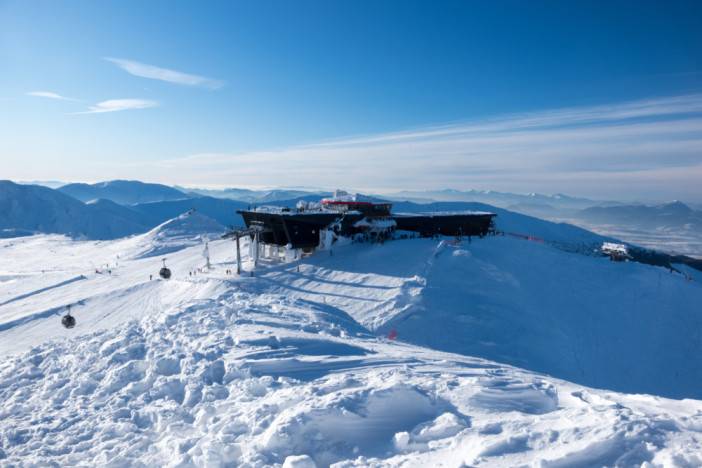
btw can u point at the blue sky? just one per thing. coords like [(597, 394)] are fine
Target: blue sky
[(590, 98)]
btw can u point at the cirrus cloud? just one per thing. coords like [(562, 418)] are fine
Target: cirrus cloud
[(115, 105), (153, 72), (49, 95), (630, 147)]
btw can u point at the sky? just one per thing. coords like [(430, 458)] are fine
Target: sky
[(600, 99)]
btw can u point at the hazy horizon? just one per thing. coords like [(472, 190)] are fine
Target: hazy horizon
[(591, 100), (262, 188)]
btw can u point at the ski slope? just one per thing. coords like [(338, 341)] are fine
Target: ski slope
[(578, 317), (293, 366)]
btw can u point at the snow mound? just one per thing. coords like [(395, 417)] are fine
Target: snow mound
[(190, 228), (338, 425)]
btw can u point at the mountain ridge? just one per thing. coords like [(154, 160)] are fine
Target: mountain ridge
[(34, 208), (123, 192)]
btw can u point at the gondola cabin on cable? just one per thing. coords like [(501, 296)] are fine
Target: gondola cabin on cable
[(68, 321), (164, 272), (310, 225)]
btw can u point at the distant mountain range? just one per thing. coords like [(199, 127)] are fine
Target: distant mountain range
[(132, 192), (124, 192), (32, 208), (502, 199), (119, 208), (27, 209), (254, 196), (675, 215), (45, 183), (672, 227)]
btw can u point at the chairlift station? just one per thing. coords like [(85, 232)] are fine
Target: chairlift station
[(310, 225)]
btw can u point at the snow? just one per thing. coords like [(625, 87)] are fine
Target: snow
[(614, 248), (188, 229), (308, 209), (520, 302), (375, 224), (31, 208), (290, 367), (299, 461), (343, 196)]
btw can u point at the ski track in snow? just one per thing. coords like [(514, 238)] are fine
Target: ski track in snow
[(291, 368)]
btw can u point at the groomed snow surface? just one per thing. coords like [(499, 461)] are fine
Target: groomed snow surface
[(293, 367)]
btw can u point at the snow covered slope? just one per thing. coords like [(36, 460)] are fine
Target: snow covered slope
[(241, 379), (188, 229), (213, 369), (222, 211), (582, 318)]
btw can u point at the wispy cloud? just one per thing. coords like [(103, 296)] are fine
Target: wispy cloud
[(115, 105), (583, 149), (110, 105), (164, 74), (49, 95)]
